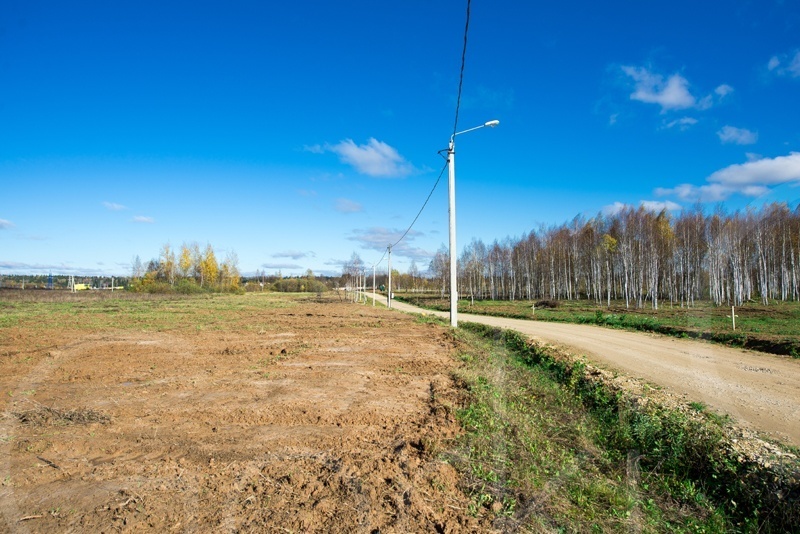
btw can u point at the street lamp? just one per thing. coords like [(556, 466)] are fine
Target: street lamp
[(451, 160)]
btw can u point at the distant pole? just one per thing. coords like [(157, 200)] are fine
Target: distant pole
[(389, 292), (373, 285), (112, 284), (733, 317)]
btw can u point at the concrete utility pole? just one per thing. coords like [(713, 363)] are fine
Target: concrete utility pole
[(451, 160)]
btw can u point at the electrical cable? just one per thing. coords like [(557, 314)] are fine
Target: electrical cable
[(423, 205), (455, 128), (439, 179), (461, 74)]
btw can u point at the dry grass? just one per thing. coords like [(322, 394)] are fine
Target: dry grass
[(47, 416)]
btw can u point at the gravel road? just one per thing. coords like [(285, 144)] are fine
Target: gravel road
[(758, 390)]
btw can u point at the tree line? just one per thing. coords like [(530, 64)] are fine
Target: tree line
[(639, 256), (189, 269)]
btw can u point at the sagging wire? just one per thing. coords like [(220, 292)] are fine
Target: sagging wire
[(461, 74), (423, 206)]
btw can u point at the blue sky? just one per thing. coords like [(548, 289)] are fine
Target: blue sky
[(298, 133)]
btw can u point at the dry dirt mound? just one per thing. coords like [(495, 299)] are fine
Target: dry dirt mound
[(322, 418)]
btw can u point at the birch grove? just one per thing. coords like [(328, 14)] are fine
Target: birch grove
[(641, 258)]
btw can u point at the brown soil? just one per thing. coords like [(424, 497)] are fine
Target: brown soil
[(329, 420)]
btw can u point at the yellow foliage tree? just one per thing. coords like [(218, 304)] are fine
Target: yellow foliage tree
[(209, 268), (185, 260)]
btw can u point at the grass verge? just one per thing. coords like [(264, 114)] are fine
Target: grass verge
[(551, 443)]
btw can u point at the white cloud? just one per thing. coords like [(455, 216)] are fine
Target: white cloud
[(143, 219), (281, 266), (723, 90), (659, 206), (656, 206), (294, 254), (314, 149), (739, 136), (613, 209), (613, 118), (683, 123), (794, 66), (651, 88), (378, 238), (344, 205), (113, 206), (6, 225), (752, 178), (785, 64), (375, 158), (12, 267), (765, 171), (671, 93)]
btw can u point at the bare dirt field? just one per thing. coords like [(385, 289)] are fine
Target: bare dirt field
[(759, 391), (318, 416)]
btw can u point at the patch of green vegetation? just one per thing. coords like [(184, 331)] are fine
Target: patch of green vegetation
[(88, 312), (535, 457), (657, 468)]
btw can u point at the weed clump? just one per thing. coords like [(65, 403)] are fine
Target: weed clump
[(46, 416)]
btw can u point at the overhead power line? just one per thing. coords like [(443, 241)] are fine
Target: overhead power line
[(461, 73), (455, 128), (423, 206)]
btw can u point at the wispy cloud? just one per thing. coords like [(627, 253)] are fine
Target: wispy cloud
[(655, 206), (684, 123), (344, 205), (294, 254), (290, 266), (113, 206), (613, 209), (13, 267), (739, 136), (753, 178), (660, 205), (144, 220), (785, 64), (6, 225), (378, 238), (669, 92), (723, 90), (375, 158)]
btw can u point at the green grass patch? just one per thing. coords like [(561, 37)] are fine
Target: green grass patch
[(542, 428), (84, 312)]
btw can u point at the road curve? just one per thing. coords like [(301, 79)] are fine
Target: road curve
[(758, 390)]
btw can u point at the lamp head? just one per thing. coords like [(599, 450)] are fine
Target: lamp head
[(492, 124)]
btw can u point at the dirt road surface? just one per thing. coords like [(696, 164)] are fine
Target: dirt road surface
[(758, 390)]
